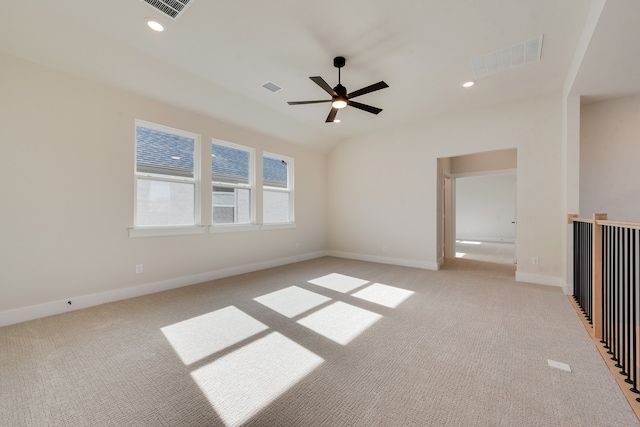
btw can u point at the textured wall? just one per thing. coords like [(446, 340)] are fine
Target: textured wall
[(68, 192), (383, 189), (609, 153)]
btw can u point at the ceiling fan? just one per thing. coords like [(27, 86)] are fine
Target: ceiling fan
[(339, 96)]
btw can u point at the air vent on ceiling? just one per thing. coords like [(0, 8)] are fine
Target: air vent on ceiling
[(271, 86), (172, 8), (507, 58)]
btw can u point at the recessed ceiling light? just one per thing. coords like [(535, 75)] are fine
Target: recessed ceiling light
[(336, 121), (154, 24), (175, 157), (469, 83)]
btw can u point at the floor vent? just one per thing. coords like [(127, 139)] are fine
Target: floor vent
[(271, 86), (172, 8), (507, 58)]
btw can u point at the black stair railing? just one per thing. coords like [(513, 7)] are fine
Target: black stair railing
[(582, 266), (606, 288), (621, 283)]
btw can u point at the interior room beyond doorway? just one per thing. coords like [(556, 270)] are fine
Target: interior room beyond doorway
[(485, 217), (479, 207)]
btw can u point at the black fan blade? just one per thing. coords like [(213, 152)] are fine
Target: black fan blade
[(368, 89), (332, 115), (307, 102), (365, 107), (324, 85)]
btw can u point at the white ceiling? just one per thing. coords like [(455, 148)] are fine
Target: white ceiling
[(610, 67), (215, 58)]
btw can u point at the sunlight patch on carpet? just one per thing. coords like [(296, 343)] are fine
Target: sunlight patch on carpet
[(245, 381), (340, 322), (292, 301), (196, 338), (339, 282), (388, 296)]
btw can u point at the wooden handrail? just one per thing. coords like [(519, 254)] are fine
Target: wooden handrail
[(574, 218), (625, 224), (634, 225)]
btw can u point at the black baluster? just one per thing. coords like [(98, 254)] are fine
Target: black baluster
[(624, 361), (590, 272), (634, 294), (616, 298), (605, 284), (614, 258), (610, 291), (603, 287), (576, 255)]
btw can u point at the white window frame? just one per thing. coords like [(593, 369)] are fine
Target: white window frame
[(290, 190), (251, 186), (168, 230)]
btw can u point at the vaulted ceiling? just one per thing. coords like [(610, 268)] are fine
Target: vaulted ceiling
[(215, 57)]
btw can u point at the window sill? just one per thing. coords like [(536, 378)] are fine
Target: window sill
[(279, 226), (165, 231), (228, 228)]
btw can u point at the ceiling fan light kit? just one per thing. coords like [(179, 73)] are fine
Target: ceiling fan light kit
[(339, 96)]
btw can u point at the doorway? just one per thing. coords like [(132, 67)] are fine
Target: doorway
[(479, 207)]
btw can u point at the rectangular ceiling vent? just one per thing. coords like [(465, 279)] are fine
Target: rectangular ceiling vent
[(172, 8), (507, 58), (271, 86)]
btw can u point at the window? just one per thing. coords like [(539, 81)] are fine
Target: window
[(167, 174), (277, 181), (233, 183)]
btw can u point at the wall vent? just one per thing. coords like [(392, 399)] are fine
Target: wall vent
[(507, 58), (271, 86), (172, 8)]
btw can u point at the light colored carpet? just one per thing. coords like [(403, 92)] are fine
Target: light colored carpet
[(328, 342), (494, 252)]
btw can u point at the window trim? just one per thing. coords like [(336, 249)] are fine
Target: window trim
[(251, 186), (170, 229), (290, 190), (229, 228), (165, 231)]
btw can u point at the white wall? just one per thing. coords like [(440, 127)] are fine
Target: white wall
[(485, 207), (499, 160), (67, 194), (609, 153), (383, 189)]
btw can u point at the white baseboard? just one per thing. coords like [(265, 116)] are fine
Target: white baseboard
[(488, 239), (425, 265), (540, 279), (10, 317)]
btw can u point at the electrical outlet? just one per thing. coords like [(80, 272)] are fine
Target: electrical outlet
[(139, 269), (297, 246), (535, 260), (385, 250)]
